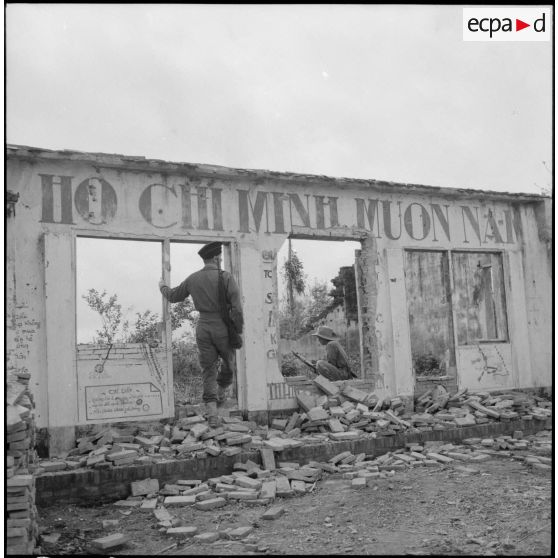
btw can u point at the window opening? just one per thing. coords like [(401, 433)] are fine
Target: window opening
[(480, 303), (316, 287), (118, 300), (430, 313)]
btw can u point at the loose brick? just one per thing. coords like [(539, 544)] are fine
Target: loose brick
[(440, 458), (110, 541), (339, 457), (240, 532), (268, 459), (273, 513), (180, 500), (268, 490), (242, 495), (182, 532), (211, 504), (358, 482), (283, 487), (299, 487), (329, 388), (247, 482), (207, 538)]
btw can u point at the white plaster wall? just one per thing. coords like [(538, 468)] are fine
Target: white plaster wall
[(261, 232)]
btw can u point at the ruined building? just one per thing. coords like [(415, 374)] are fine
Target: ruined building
[(451, 283)]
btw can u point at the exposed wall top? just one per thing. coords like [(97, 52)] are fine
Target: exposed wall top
[(141, 164)]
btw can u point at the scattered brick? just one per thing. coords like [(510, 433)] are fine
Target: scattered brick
[(182, 532), (211, 504), (110, 541)]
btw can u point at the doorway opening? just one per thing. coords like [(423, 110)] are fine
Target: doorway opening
[(188, 377), (317, 288)]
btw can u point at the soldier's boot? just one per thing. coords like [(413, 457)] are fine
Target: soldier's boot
[(212, 417), (221, 395)]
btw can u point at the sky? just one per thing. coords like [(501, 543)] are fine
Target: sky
[(386, 92)]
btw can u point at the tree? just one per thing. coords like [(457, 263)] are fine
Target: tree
[(344, 291), (110, 312), (293, 272), (144, 329)]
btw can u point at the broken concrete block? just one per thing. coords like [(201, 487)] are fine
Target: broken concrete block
[(211, 504), (353, 393), (110, 523), (247, 482), (148, 505), (268, 459), (195, 489), (298, 486), (276, 444), (467, 420), (358, 482), (144, 487), (268, 489), (279, 424), (229, 452), (162, 514), (110, 541), (317, 413), (240, 532), (198, 430), (180, 500), (273, 513), (283, 487), (207, 538), (339, 457), (182, 532), (440, 458), (239, 439), (306, 400), (326, 386), (242, 495), (52, 466)]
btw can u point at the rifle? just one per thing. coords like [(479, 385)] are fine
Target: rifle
[(308, 363)]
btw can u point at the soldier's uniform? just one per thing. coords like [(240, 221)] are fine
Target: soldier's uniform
[(212, 336), (336, 366)]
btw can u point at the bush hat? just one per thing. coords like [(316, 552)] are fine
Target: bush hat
[(325, 333), (210, 250)]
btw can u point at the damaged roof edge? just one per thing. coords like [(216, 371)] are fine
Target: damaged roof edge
[(139, 163)]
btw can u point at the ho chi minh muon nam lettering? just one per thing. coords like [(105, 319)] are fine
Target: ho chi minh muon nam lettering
[(193, 207)]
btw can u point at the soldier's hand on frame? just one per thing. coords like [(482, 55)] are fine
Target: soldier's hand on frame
[(161, 283)]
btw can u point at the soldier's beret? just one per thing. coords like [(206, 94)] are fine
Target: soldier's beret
[(210, 250)]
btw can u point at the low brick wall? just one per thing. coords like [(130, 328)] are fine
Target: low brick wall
[(105, 485)]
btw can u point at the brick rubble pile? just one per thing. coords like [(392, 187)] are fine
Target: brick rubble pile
[(251, 484), (21, 512), (343, 412)]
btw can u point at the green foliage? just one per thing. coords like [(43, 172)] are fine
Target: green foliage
[(305, 311), (146, 326), (291, 366), (110, 312), (345, 292), (293, 272)]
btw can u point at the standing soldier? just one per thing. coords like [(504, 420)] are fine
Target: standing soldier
[(212, 335)]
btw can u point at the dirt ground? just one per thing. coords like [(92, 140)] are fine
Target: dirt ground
[(504, 510)]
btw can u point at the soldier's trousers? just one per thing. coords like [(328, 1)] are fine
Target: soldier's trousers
[(212, 339), (331, 372)]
